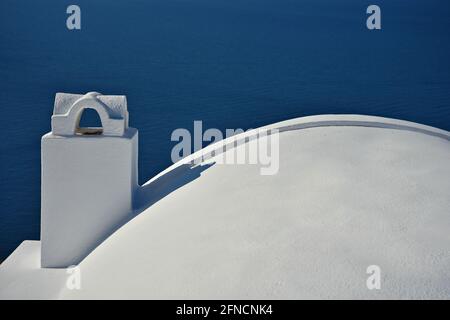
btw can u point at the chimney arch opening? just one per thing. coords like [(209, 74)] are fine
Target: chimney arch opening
[(89, 122)]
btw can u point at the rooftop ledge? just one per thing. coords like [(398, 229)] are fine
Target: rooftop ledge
[(351, 191)]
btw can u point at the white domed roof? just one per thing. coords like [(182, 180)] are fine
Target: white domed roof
[(351, 191)]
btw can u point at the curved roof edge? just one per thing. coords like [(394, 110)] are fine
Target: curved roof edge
[(327, 120)]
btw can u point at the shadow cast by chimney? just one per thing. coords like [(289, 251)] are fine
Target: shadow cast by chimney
[(151, 193)]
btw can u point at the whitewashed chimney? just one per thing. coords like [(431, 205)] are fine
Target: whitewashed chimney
[(89, 177)]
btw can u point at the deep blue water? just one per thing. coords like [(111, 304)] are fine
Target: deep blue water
[(230, 63)]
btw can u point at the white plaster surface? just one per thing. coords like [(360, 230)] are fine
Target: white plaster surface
[(21, 275), (88, 180), (69, 107), (88, 185), (351, 191)]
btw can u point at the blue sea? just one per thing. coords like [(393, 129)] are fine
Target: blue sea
[(229, 63)]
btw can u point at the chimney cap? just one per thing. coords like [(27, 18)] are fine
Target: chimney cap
[(68, 108)]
